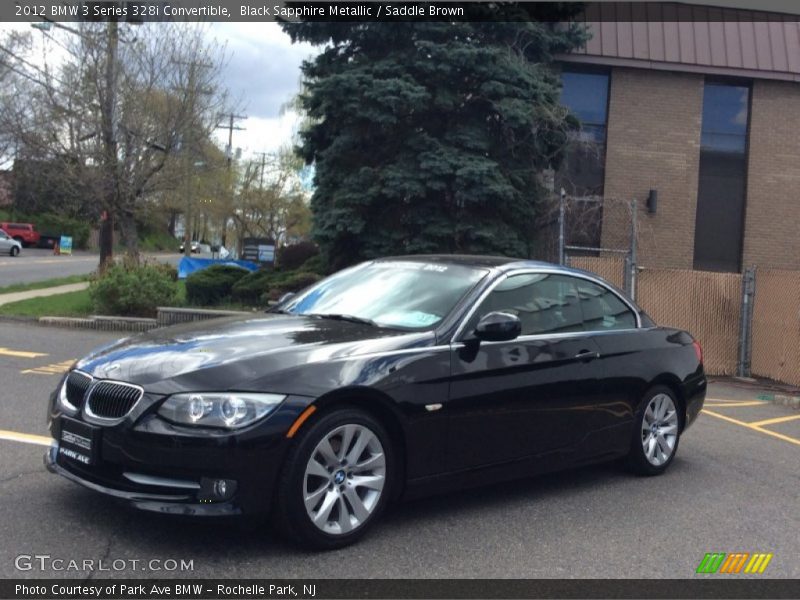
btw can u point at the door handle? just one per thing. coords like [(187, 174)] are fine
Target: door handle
[(587, 355)]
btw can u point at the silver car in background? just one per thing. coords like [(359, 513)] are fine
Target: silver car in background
[(8, 244)]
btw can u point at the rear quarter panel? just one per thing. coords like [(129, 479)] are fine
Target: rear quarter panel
[(634, 361)]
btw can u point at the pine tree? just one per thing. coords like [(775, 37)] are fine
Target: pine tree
[(430, 136)]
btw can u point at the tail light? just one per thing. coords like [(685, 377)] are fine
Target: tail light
[(698, 350)]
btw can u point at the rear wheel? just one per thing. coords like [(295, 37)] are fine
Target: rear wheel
[(336, 480), (14, 250), (656, 434)]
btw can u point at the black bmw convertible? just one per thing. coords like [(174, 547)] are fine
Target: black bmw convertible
[(395, 378)]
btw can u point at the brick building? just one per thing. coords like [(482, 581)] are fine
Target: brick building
[(702, 106)]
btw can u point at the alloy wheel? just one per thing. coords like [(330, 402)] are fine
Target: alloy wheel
[(344, 479), (659, 429)]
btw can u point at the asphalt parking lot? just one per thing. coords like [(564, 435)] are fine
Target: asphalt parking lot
[(732, 488)]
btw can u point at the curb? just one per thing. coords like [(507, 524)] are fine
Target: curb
[(166, 316), (101, 323), (781, 399)]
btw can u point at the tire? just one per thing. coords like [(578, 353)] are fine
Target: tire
[(14, 251), (309, 509), (20, 240), (656, 433)]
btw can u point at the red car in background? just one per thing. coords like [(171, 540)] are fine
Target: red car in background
[(24, 233)]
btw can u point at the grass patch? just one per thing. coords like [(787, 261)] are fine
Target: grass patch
[(71, 304), (40, 285)]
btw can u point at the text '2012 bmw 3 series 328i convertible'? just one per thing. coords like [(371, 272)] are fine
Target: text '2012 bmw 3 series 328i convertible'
[(394, 378)]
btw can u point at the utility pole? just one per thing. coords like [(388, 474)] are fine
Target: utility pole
[(187, 146), (108, 124), (230, 126), (261, 173)]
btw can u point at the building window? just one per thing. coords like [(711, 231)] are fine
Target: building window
[(719, 224), (582, 173), (585, 94)]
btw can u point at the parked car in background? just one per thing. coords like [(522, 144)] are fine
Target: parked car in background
[(24, 233), (195, 247), (397, 377), (9, 244)]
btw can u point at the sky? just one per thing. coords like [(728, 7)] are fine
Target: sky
[(262, 74)]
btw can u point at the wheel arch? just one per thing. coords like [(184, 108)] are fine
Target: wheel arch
[(380, 407), (671, 381)]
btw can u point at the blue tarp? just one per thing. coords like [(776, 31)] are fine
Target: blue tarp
[(187, 266)]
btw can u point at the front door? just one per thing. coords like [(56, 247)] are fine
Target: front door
[(530, 396)]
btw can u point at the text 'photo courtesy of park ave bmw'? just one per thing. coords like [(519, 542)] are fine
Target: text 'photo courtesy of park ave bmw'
[(399, 299)]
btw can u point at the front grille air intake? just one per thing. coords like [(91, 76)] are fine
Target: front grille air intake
[(77, 384), (112, 399)]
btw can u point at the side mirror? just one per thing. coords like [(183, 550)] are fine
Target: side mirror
[(285, 297), (498, 327)]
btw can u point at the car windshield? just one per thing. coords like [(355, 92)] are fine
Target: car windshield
[(394, 294)]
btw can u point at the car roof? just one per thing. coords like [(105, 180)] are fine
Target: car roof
[(503, 263)]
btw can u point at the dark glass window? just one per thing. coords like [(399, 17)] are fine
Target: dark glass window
[(544, 303), (586, 95), (602, 309), (719, 223), (582, 173)]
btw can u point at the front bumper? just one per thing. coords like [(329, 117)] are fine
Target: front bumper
[(183, 504), (156, 466)]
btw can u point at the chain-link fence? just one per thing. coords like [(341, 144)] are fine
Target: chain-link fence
[(776, 326), (708, 305), (742, 331), (595, 233)]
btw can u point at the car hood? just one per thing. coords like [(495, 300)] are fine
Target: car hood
[(235, 352)]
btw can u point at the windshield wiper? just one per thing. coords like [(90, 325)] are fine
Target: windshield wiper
[(279, 311), (342, 317)]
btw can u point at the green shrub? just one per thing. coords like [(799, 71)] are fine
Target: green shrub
[(315, 264), (132, 290), (292, 257), (251, 288), (169, 270), (293, 283), (212, 285)]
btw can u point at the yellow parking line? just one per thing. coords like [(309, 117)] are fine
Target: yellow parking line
[(25, 438), (734, 404), (21, 353), (775, 434), (54, 369), (775, 420), (726, 400)]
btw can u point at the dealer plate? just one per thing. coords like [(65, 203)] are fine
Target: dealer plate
[(79, 441)]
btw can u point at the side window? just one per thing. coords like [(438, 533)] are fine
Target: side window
[(544, 303), (602, 308)]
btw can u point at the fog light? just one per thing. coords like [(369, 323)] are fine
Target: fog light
[(216, 490)]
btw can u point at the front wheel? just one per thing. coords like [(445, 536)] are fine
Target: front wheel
[(14, 250), (336, 480), (656, 433)]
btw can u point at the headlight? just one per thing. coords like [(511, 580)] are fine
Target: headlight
[(63, 402), (219, 409)]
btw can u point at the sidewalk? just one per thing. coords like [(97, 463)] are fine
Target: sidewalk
[(51, 291)]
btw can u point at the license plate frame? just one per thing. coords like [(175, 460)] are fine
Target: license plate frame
[(79, 442)]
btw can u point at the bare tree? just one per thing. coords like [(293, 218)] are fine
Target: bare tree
[(122, 114), (271, 201)]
